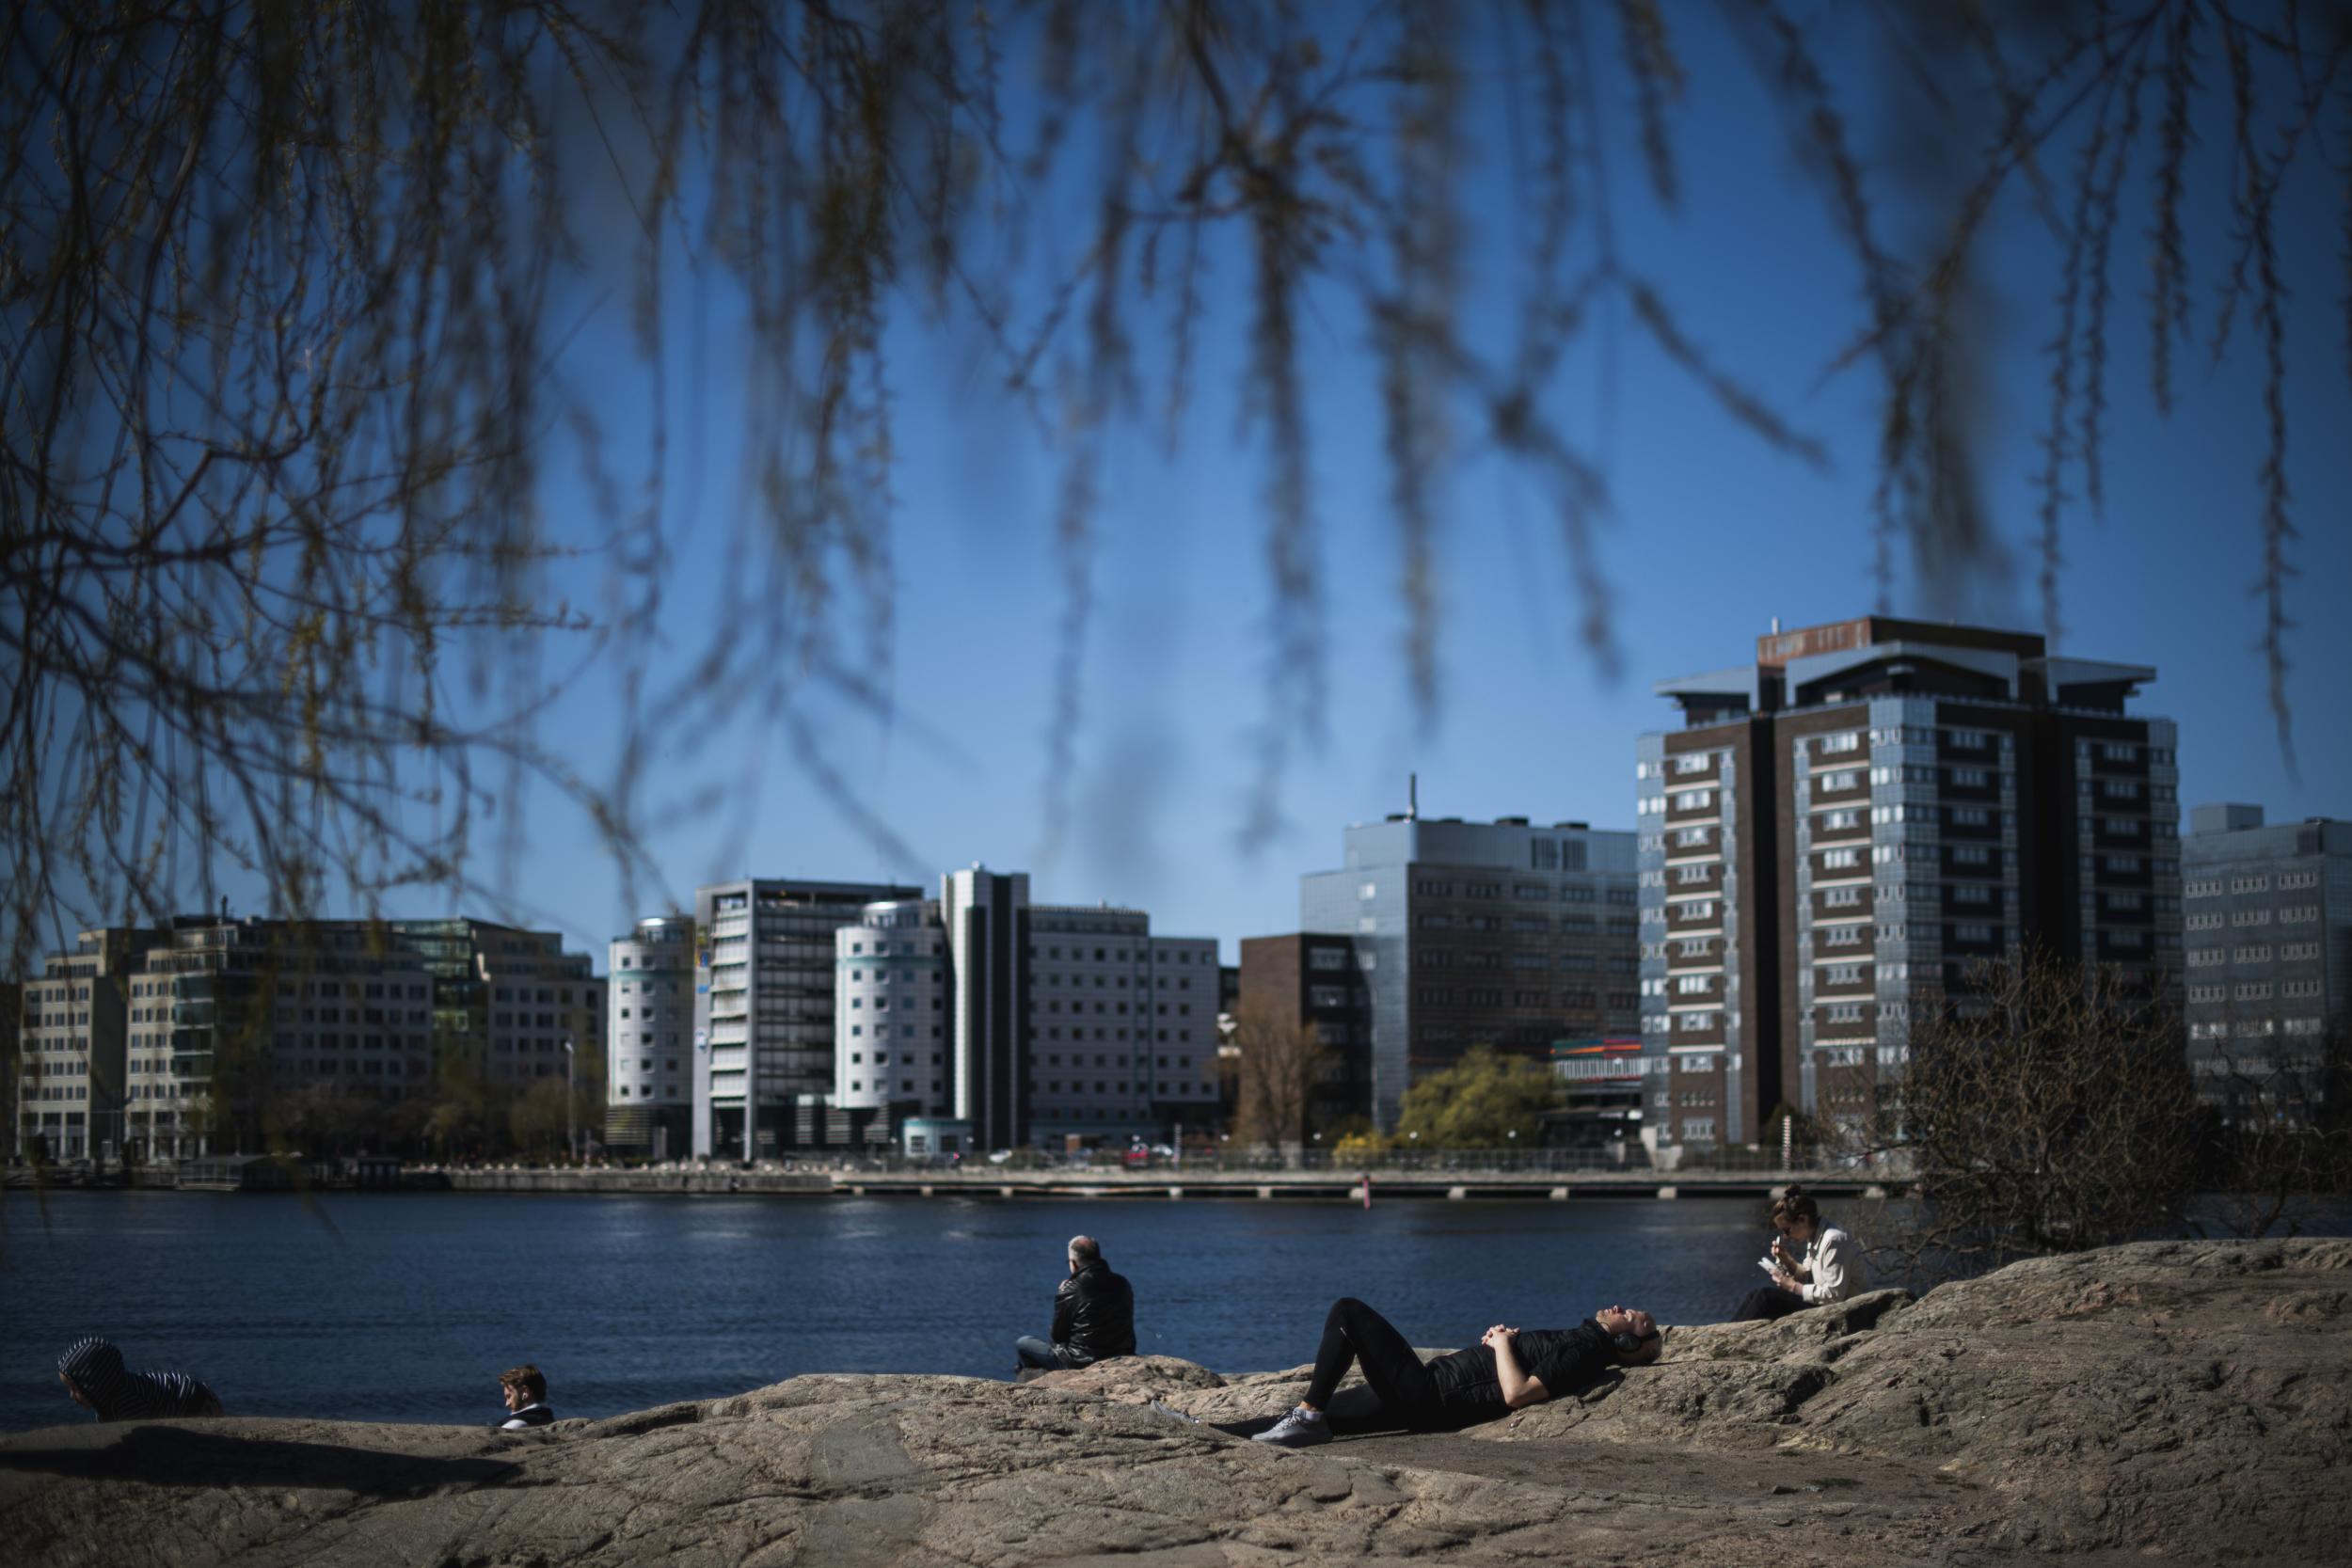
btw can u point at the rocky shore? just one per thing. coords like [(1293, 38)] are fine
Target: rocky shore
[(2173, 1402)]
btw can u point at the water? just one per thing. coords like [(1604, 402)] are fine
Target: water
[(405, 1308)]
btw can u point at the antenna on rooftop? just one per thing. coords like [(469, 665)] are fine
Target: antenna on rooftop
[(1413, 797)]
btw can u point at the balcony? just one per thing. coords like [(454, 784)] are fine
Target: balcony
[(1700, 914), (1695, 880), (1692, 806)]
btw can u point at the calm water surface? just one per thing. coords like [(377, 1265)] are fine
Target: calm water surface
[(406, 1306)]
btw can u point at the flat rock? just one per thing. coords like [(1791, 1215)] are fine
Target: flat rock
[(2180, 1402), (1133, 1379)]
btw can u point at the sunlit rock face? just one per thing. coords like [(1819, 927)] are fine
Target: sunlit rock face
[(2168, 1401)]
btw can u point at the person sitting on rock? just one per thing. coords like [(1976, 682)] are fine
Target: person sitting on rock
[(1094, 1315), (1831, 1270), (1508, 1370), (92, 1372), (525, 1390)]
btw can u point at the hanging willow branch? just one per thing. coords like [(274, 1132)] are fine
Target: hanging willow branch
[(287, 296)]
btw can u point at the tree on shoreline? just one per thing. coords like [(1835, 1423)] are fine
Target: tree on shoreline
[(1487, 1100), (2045, 1107), (1279, 1061)]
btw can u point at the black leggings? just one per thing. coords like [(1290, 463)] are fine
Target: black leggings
[(1353, 1333), (1766, 1302)]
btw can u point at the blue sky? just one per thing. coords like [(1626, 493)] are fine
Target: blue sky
[(1711, 536)]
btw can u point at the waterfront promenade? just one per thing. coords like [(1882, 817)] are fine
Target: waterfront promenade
[(1533, 1177), (1301, 1185)]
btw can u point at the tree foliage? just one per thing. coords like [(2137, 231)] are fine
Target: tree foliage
[(2047, 1108), (1279, 1059), (543, 1117), (285, 292), (1485, 1101)]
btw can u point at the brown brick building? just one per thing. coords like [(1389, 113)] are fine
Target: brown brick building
[(1841, 827), (1313, 978)]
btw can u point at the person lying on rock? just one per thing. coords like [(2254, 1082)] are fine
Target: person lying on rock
[(525, 1390), (1831, 1270), (1094, 1315), (1508, 1370), (92, 1372)]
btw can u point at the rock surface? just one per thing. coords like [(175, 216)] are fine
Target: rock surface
[(2167, 1401)]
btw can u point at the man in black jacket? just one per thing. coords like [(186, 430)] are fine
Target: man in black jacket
[(1094, 1315)]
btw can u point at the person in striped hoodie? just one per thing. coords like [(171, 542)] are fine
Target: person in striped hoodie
[(92, 1372)]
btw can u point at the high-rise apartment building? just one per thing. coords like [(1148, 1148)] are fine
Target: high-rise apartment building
[(1472, 933), (1842, 826), (2267, 911), (649, 1082), (764, 994)]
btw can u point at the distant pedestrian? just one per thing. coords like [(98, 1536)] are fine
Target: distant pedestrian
[(92, 1372), (1831, 1270), (525, 1389), (1094, 1315)]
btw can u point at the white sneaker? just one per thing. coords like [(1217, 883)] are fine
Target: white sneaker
[(1302, 1428)]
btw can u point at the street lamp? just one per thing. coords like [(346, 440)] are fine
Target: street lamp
[(571, 1104)]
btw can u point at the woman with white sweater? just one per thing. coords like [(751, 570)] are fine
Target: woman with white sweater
[(1830, 1270)]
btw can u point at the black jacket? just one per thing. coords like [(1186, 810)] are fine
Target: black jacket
[(1094, 1315)]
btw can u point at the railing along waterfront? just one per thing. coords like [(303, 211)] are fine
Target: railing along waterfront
[(1346, 1162), (1229, 1160)]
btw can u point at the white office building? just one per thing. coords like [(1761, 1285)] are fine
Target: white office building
[(891, 1011), (649, 1081), (764, 1002)]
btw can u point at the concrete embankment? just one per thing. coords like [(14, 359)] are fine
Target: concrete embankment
[(2171, 1401)]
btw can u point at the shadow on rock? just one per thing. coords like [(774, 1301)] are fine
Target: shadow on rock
[(190, 1456)]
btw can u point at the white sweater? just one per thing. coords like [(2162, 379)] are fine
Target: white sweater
[(1834, 1269)]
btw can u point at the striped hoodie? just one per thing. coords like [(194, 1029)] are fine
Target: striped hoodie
[(96, 1367)]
